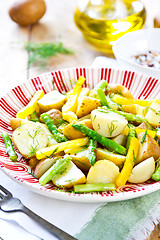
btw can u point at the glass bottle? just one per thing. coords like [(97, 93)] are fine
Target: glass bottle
[(103, 21)]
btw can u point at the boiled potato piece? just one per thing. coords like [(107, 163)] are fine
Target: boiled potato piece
[(51, 140), (129, 109), (153, 114), (142, 126), (113, 157), (28, 138), (17, 122), (143, 171), (84, 92), (120, 139), (116, 88), (149, 148), (53, 99), (43, 166), (86, 105), (103, 171), (72, 133), (27, 12), (108, 123), (55, 115), (85, 117), (81, 159), (69, 176)]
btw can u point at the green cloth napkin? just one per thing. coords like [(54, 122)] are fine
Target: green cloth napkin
[(121, 220)]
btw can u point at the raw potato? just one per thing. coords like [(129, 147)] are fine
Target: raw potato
[(86, 105), (149, 148), (69, 176), (28, 138), (25, 12), (43, 166), (103, 171), (153, 114), (108, 124), (51, 100), (143, 171)]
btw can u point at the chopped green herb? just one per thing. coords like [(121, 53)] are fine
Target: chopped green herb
[(33, 150), (32, 175), (112, 127), (144, 137), (134, 158), (54, 151), (35, 133)]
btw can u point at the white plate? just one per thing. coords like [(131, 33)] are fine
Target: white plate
[(140, 85)]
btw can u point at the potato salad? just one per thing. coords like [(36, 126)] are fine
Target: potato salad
[(88, 140)]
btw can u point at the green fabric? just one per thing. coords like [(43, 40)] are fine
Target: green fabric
[(117, 220)]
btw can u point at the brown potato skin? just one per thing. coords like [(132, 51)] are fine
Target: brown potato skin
[(25, 12)]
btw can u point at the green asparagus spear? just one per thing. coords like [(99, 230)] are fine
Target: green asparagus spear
[(129, 116), (59, 137), (56, 168), (96, 187), (9, 147), (92, 151), (102, 98), (132, 133), (101, 85), (99, 138), (156, 174), (34, 117)]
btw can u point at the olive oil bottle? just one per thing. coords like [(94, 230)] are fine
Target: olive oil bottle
[(102, 22)]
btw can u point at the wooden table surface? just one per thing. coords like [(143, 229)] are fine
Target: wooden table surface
[(57, 24)]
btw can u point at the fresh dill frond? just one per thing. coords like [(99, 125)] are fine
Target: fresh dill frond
[(32, 175), (54, 151), (41, 52), (33, 150), (112, 127), (35, 133), (144, 137)]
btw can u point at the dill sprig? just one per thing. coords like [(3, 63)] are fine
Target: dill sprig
[(41, 52)]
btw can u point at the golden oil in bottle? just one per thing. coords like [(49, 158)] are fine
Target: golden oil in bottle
[(102, 22)]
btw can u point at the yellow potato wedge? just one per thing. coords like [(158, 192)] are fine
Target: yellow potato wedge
[(53, 99), (28, 138), (72, 133), (153, 114), (113, 157), (81, 159), (148, 148), (86, 105), (103, 171), (69, 176), (142, 171)]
